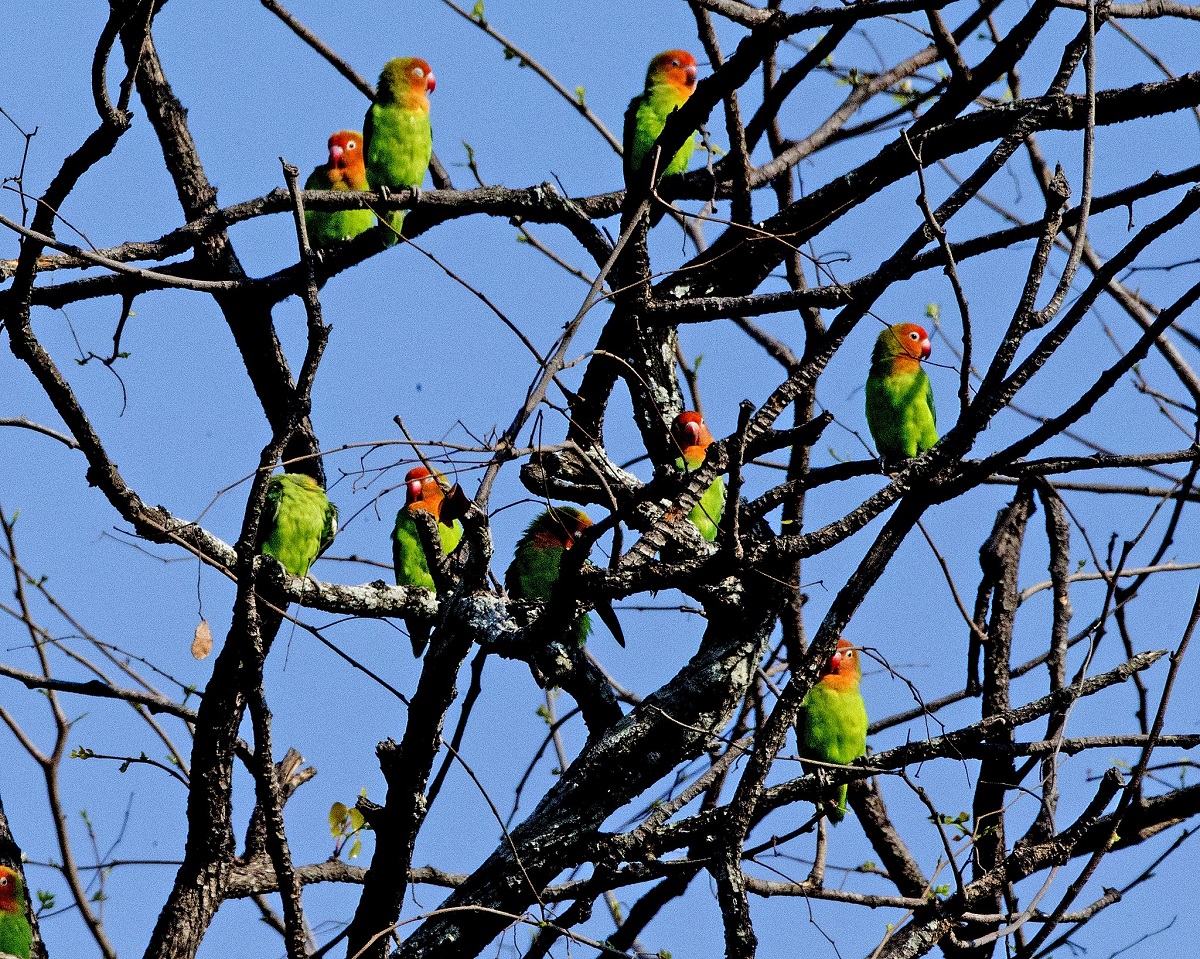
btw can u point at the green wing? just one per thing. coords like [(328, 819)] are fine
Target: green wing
[(16, 937), (533, 574), (326, 229), (399, 146), (298, 522), (412, 568), (833, 730), (900, 412)]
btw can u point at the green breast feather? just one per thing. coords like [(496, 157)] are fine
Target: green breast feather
[(833, 729), (900, 411)]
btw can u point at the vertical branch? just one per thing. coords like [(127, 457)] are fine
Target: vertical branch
[(1058, 533), (1000, 559)]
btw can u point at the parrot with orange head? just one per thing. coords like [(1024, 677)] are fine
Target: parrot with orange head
[(900, 409), (691, 436), (424, 492), (832, 724), (399, 138), (670, 80), (346, 170)]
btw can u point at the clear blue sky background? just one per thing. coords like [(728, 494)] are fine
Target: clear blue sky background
[(408, 341)]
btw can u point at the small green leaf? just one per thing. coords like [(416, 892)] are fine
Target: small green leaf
[(580, 96), (477, 12), (355, 849), (933, 311), (337, 818)]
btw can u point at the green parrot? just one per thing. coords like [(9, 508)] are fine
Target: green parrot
[(398, 135), (832, 724), (345, 170), (15, 934), (692, 437), (533, 572), (298, 522), (670, 80), (412, 568), (900, 409)]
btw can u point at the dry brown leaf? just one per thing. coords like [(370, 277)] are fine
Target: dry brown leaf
[(202, 641)]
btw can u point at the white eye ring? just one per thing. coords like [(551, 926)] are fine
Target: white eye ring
[(913, 336), (351, 145), (3, 880), (418, 73)]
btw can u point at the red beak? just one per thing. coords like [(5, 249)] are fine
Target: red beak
[(335, 156), (926, 348), (430, 83), (414, 490), (690, 74)]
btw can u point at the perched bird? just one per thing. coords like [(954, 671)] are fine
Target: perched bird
[(534, 570), (398, 135), (345, 170), (670, 80), (298, 522), (900, 408), (15, 934), (412, 568), (692, 437), (832, 724)]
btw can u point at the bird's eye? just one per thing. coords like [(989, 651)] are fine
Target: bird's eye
[(3, 880), (674, 61), (418, 73), (913, 336), (351, 145)]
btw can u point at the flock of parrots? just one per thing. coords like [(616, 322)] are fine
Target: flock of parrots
[(299, 522), (396, 145)]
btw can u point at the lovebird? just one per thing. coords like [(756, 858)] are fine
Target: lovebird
[(399, 138), (900, 409), (670, 80), (832, 724), (298, 522), (412, 568), (15, 934), (692, 437), (533, 572), (346, 170)]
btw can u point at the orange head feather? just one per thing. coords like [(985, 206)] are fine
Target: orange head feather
[(904, 341), (12, 896), (407, 81), (424, 491), (691, 435), (346, 150), (675, 67), (558, 527), (844, 668)]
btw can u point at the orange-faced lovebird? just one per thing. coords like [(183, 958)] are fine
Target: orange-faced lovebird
[(900, 409), (670, 80), (692, 438), (832, 724), (16, 936), (298, 522), (424, 493), (533, 573), (345, 170), (399, 137)]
